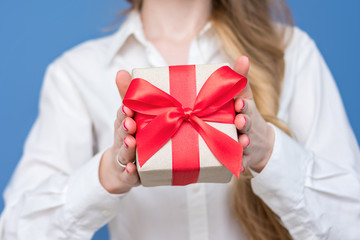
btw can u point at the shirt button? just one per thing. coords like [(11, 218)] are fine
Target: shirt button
[(105, 213)]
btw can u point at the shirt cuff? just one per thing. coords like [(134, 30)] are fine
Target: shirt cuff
[(88, 205), (281, 183)]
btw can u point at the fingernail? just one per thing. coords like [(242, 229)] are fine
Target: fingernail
[(242, 169), (248, 143), (122, 110), (126, 168), (243, 104), (245, 121), (125, 144), (124, 126)]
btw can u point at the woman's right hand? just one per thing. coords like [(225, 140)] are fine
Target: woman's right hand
[(114, 178)]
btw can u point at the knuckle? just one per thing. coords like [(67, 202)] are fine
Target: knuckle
[(125, 156), (247, 161), (122, 159), (136, 179), (116, 124), (118, 131), (121, 128), (119, 114), (248, 124), (245, 108)]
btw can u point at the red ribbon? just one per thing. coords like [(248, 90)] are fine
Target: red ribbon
[(159, 116), (185, 142)]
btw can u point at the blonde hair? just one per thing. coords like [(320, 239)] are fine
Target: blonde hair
[(254, 28)]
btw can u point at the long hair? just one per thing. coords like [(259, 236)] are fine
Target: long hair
[(255, 28)]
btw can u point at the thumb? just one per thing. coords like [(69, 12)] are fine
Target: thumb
[(242, 66), (123, 80)]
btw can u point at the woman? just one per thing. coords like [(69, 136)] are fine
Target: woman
[(69, 182)]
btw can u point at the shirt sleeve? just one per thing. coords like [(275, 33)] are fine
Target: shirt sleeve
[(312, 179), (55, 191)]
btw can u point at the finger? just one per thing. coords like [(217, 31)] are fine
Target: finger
[(129, 126), (245, 162), (242, 65), (240, 105), (127, 151), (120, 116), (126, 127), (123, 126), (244, 140), (127, 111), (123, 80), (131, 174), (126, 156), (242, 123)]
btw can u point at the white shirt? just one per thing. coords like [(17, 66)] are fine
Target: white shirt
[(311, 181)]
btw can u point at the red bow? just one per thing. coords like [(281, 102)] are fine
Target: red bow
[(159, 116)]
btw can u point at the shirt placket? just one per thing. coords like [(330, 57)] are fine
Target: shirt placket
[(197, 211), (195, 193)]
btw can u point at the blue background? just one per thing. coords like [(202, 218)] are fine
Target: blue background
[(34, 33)]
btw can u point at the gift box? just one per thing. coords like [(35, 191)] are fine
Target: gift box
[(185, 123)]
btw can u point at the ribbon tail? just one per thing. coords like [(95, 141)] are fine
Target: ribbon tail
[(228, 151), (162, 128)]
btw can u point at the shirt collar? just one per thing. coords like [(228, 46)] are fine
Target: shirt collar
[(130, 26), (133, 26)]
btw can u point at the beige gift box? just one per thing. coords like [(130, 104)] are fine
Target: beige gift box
[(158, 169)]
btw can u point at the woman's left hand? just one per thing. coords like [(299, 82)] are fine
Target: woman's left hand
[(255, 135)]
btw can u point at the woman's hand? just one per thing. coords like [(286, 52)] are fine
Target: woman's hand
[(255, 135), (113, 177)]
